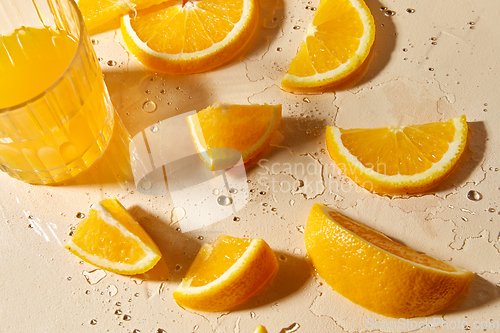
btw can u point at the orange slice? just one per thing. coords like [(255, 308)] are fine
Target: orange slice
[(190, 36), (260, 329), (101, 14), (399, 160), (377, 273), (245, 128), (226, 273), (336, 44), (111, 239)]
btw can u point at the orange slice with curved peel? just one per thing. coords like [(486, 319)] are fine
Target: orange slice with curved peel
[(190, 36), (337, 43), (226, 274), (111, 239), (399, 160), (377, 273)]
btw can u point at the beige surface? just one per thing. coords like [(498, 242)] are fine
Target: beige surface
[(44, 288)]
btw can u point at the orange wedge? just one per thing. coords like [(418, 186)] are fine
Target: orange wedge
[(377, 273), (245, 128), (111, 239), (399, 160), (190, 36), (226, 273), (337, 42), (101, 14)]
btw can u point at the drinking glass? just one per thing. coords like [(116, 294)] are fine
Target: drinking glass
[(56, 117)]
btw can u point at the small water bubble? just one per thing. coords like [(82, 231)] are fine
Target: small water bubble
[(434, 43), (71, 233), (292, 202), (94, 276), (292, 328), (136, 331), (264, 204), (93, 322), (431, 69), (282, 257), (224, 200), (474, 195), (118, 303), (149, 106), (236, 219), (389, 13), (252, 314), (160, 330), (111, 63), (80, 215), (200, 237), (118, 312), (126, 317), (87, 292), (177, 214), (233, 191), (465, 219), (178, 267), (100, 59), (145, 184), (262, 193), (405, 50), (383, 8), (274, 209), (69, 278), (433, 38), (94, 41), (154, 128), (410, 10), (306, 100), (301, 229), (491, 210), (296, 27), (279, 49), (163, 91)]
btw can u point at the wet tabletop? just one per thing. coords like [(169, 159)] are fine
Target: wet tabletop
[(432, 60)]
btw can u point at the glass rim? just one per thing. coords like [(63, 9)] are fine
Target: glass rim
[(83, 29)]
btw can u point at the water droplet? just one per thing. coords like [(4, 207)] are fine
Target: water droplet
[(126, 317), (301, 229), (279, 49), (224, 200), (87, 292), (474, 195), (200, 237), (118, 303), (296, 27), (111, 63), (292, 328), (264, 204), (145, 184), (252, 314), (292, 202), (118, 312), (163, 91), (148, 91), (69, 278), (389, 13), (383, 8), (136, 295), (233, 191), (262, 192), (282, 257), (112, 290), (136, 331), (94, 276), (306, 100), (160, 330), (93, 322), (410, 10), (80, 215), (405, 50), (434, 43), (431, 69), (178, 267), (154, 128), (465, 219), (491, 210), (149, 106), (274, 209), (94, 41), (236, 219), (177, 214), (215, 191)]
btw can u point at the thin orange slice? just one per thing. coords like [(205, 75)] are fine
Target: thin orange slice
[(399, 160), (338, 41), (190, 36), (111, 239), (226, 273), (377, 273)]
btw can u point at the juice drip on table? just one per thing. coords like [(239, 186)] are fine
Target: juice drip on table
[(64, 131)]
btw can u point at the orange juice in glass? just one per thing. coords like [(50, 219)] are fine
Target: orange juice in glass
[(56, 117)]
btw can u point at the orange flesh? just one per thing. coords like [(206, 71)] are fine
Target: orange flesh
[(405, 151), (384, 243), (92, 239), (192, 27), (224, 253)]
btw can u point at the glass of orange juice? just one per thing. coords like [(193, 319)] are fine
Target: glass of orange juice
[(56, 117)]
